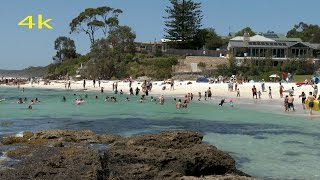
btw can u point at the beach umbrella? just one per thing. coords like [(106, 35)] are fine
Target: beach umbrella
[(274, 76)]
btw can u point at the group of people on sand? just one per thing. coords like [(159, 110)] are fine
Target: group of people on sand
[(257, 94)]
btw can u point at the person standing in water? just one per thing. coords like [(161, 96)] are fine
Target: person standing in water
[(315, 90), (131, 91), (286, 103), (290, 102), (311, 99), (303, 99), (209, 93), (179, 104)]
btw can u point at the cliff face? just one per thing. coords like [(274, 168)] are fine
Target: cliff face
[(59, 154)]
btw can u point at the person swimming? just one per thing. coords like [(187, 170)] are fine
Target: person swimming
[(221, 102), (64, 99), (161, 99), (127, 99), (179, 104), (96, 97), (79, 101), (20, 101), (231, 103), (29, 107)]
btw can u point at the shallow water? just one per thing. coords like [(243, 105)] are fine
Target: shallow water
[(270, 145)]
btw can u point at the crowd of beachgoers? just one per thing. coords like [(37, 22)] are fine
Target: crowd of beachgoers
[(225, 92)]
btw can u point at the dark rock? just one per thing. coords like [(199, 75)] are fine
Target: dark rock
[(68, 154), (56, 163), (109, 138), (85, 136), (166, 155)]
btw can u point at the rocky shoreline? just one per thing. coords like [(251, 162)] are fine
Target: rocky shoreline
[(68, 154)]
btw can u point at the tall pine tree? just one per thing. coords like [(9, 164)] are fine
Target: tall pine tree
[(183, 20)]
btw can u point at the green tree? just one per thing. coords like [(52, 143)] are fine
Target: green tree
[(183, 20), (246, 29), (307, 32), (93, 19), (65, 47), (109, 57), (207, 38)]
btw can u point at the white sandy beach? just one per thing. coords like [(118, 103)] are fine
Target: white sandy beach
[(181, 88)]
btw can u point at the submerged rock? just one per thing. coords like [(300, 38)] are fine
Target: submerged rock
[(65, 154)]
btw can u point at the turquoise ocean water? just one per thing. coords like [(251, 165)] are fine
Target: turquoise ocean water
[(265, 141)]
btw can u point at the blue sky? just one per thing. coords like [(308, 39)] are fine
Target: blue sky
[(21, 47)]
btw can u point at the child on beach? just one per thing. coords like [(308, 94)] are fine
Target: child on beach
[(259, 94), (238, 92), (270, 94)]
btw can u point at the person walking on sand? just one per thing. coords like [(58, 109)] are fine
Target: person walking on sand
[(311, 99), (238, 92), (263, 87), (172, 85), (84, 84), (281, 90), (69, 84), (303, 99), (99, 82), (254, 92), (270, 93), (94, 83)]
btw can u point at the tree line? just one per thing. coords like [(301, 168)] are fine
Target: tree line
[(112, 45)]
